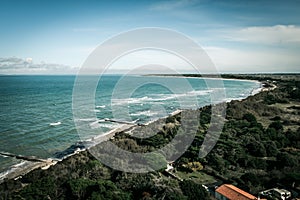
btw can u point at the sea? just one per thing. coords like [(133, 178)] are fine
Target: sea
[(36, 111)]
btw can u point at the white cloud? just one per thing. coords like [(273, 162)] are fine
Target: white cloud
[(28, 60), (14, 65), (277, 35), (255, 49), (236, 60)]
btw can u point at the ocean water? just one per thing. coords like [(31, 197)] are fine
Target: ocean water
[(36, 117)]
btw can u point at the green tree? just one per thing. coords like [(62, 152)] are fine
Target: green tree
[(270, 99), (252, 178), (156, 161), (108, 190), (294, 138), (256, 148), (90, 189), (250, 118), (193, 191), (217, 163), (41, 189), (277, 125), (285, 159), (271, 148), (78, 187)]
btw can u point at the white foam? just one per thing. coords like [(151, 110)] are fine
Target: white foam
[(13, 168), (103, 123), (134, 121), (19, 164), (256, 91), (103, 106), (95, 124), (130, 100), (161, 97), (109, 125), (164, 97), (55, 124), (199, 92), (176, 112), (146, 113), (227, 100), (86, 119), (188, 94), (3, 174)]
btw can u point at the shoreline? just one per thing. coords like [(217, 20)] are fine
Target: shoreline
[(19, 171), (204, 77)]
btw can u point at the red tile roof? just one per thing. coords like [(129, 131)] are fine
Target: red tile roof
[(233, 193)]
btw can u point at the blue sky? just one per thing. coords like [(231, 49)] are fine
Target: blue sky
[(239, 36)]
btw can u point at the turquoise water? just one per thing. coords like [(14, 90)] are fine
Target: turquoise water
[(36, 111)]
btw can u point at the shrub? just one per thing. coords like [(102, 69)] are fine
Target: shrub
[(193, 191)]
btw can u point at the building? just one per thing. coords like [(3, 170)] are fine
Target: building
[(230, 192), (281, 194)]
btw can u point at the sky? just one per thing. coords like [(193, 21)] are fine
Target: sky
[(56, 37)]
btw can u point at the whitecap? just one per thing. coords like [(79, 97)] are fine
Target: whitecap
[(134, 121), (192, 93), (55, 124), (96, 124), (109, 125), (200, 92), (103, 106), (86, 119), (133, 100), (145, 113)]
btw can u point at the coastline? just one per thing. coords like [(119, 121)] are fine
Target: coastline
[(203, 77), (248, 122), (26, 166), (21, 169)]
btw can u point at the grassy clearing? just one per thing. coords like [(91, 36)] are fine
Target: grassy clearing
[(198, 177)]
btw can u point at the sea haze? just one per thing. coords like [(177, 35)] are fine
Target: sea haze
[(36, 111)]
